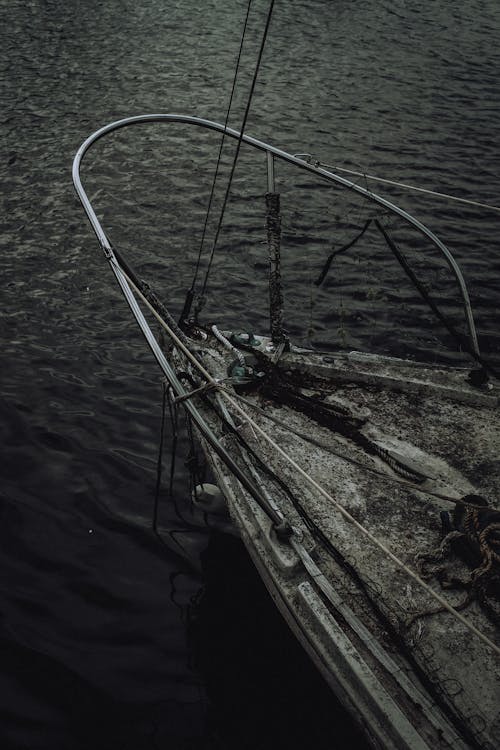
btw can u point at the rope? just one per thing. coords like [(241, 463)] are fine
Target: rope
[(196, 392), (334, 253), (159, 464), (159, 472), (476, 534), (225, 342), (238, 147), (459, 338), (310, 480), (408, 187), (221, 146)]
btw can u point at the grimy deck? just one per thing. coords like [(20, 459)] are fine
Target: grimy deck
[(415, 677)]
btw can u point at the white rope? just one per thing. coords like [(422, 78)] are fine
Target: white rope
[(408, 187), (225, 342), (399, 563)]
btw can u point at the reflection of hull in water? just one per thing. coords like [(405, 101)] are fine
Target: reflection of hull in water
[(404, 439), (208, 499), (263, 690)]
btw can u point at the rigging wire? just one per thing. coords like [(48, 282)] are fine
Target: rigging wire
[(408, 187), (237, 152), (190, 294)]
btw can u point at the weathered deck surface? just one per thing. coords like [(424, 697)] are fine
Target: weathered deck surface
[(444, 429)]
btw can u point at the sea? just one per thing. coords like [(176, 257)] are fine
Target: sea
[(116, 634)]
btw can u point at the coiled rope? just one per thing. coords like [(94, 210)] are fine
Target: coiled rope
[(227, 344), (475, 538)]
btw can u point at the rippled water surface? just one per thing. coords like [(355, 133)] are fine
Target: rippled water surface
[(112, 638)]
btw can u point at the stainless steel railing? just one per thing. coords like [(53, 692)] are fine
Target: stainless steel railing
[(272, 153)]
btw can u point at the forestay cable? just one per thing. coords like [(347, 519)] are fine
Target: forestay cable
[(237, 152), (190, 294), (408, 187)]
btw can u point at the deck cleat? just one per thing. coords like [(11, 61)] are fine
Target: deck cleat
[(245, 376), (244, 339)]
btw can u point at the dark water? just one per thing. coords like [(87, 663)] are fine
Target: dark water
[(110, 638)]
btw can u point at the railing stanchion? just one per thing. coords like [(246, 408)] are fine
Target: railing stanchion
[(270, 172)]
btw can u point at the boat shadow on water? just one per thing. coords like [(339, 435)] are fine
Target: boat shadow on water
[(263, 692)]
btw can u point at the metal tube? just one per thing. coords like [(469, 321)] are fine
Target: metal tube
[(271, 152), (270, 173)]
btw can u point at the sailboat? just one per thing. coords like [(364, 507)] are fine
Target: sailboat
[(364, 487)]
